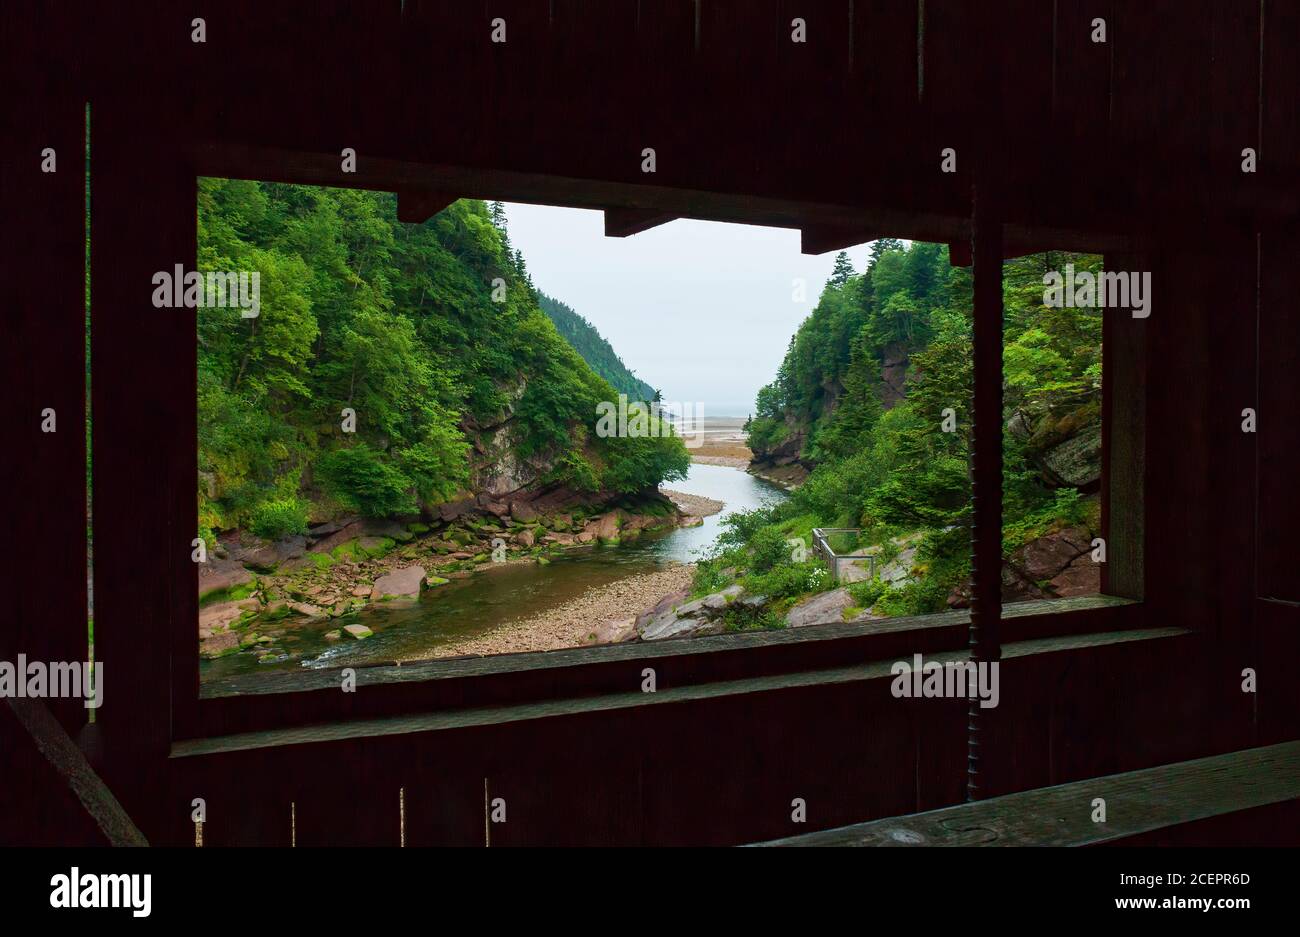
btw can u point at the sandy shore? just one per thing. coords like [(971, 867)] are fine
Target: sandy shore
[(721, 441), (592, 618), (739, 462)]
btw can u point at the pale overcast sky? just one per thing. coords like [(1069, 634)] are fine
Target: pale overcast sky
[(701, 310)]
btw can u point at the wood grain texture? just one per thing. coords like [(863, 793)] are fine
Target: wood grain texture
[(1137, 802)]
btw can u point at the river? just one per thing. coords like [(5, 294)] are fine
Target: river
[(468, 607)]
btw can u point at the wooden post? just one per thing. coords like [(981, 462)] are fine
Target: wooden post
[(986, 476)]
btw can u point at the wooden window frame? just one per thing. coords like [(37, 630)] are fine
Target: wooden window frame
[(278, 701)]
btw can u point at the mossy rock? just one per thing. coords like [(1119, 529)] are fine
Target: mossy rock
[(543, 561), (370, 547), (348, 550), (432, 581), (321, 560), (248, 640), (417, 528), (231, 594)]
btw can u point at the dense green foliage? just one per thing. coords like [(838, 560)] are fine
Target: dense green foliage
[(905, 470), (595, 350), (430, 334)]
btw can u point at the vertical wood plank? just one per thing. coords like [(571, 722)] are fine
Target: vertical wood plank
[(1124, 404), (145, 445), (44, 473)]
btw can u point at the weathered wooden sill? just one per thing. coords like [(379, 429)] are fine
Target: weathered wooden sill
[(455, 667), (496, 715), (1137, 802)]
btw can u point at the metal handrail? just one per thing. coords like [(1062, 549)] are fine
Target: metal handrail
[(832, 558)]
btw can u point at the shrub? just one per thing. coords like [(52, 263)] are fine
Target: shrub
[(711, 575), (280, 518), (868, 592), (789, 580), (358, 478), (769, 548)]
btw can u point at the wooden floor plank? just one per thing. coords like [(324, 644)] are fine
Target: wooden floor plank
[(1137, 802)]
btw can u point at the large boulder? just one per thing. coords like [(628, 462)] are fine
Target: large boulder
[(497, 509), (606, 527), (264, 554), (523, 512), (402, 582), (455, 510), (1076, 462), (217, 575), (667, 603), (1081, 577), (1046, 556), (387, 529), (826, 608), (221, 615), (320, 531), (347, 532), (613, 631), (700, 617), (219, 644)]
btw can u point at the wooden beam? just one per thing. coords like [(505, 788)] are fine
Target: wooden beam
[(417, 207), (821, 239), (623, 222), (1020, 241), (72, 768), (388, 175), (1184, 793)]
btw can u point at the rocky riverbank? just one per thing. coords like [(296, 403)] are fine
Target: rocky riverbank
[(697, 507), (604, 615), (252, 591), (788, 476)]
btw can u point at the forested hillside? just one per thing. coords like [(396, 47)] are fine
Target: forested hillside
[(595, 350), (454, 392), (859, 406)]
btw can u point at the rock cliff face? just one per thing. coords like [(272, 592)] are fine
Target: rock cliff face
[(893, 374), (500, 478), (1055, 565), (1066, 447)]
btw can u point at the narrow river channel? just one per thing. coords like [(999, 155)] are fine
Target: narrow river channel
[(468, 607)]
